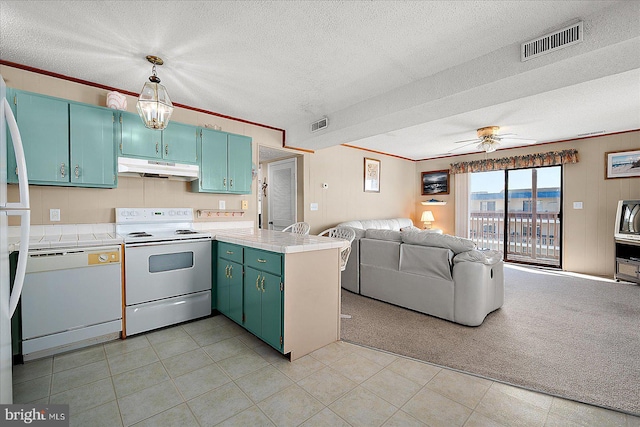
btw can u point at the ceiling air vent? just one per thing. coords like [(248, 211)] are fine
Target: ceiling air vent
[(320, 124), (551, 42)]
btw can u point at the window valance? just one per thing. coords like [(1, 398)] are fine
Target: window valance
[(552, 158)]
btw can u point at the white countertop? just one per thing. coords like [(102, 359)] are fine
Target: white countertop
[(277, 241), (241, 233)]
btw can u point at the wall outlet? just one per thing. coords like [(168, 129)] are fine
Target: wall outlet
[(222, 204), (245, 204), (54, 214), (577, 205)]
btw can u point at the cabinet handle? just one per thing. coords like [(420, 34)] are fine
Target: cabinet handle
[(258, 283), (226, 271), (262, 260), (156, 148), (166, 150), (231, 272), (62, 170), (77, 171), (262, 284), (229, 252), (231, 182), (224, 182), (16, 171)]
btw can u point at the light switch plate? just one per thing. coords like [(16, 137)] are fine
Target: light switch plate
[(313, 207), (577, 205), (222, 204), (54, 215)]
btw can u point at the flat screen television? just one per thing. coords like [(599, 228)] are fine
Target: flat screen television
[(628, 220)]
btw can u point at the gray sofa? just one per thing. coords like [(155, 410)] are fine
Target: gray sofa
[(351, 274), (439, 275)]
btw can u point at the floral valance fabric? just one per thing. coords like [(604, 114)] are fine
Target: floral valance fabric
[(551, 158)]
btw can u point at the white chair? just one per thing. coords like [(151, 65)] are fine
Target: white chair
[(341, 233), (349, 235), (298, 228)]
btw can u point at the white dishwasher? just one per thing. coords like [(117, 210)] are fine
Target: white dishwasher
[(71, 298)]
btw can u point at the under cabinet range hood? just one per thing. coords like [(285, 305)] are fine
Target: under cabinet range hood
[(128, 166)]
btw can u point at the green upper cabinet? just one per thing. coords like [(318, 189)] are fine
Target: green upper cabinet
[(93, 157), (225, 163), (65, 143), (44, 127), (179, 143), (176, 143), (138, 140), (239, 164)]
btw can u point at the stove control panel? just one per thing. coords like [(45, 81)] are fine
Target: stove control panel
[(132, 215)]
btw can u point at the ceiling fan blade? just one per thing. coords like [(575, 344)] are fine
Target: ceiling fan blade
[(468, 140), (461, 147), (519, 140)]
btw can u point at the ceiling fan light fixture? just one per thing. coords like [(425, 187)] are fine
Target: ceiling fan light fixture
[(488, 145), (154, 105)]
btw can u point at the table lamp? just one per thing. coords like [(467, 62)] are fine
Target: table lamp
[(427, 218)]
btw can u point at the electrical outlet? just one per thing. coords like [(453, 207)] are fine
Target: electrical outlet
[(245, 204), (54, 215), (222, 204)]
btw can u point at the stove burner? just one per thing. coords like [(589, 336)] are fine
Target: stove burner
[(139, 234), (186, 232)]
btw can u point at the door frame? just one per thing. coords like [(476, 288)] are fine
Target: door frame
[(294, 188)]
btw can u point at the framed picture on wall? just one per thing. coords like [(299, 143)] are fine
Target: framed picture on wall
[(435, 182), (622, 164), (371, 175)]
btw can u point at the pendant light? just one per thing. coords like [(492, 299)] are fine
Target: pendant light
[(154, 105)]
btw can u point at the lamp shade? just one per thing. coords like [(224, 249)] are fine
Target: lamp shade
[(154, 106), (427, 216)]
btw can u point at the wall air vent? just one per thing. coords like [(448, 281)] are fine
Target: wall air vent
[(320, 124), (551, 42)]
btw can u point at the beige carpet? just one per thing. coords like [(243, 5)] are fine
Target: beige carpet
[(568, 336)]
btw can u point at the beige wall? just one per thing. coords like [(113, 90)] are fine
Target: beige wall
[(588, 233), (87, 205), (343, 169)]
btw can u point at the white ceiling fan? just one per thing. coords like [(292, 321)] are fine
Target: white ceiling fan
[(489, 139)]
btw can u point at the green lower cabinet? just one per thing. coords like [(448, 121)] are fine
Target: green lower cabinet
[(263, 306), (229, 289)]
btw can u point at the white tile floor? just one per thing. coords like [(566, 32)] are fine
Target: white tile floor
[(211, 372)]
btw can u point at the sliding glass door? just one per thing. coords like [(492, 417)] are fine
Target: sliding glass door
[(518, 212)]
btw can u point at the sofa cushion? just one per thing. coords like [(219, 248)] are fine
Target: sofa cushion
[(410, 228), (428, 261), (380, 224), (487, 257), (391, 235), (424, 238)]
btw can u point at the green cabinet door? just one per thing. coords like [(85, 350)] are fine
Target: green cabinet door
[(235, 292), (93, 156), (213, 167), (222, 287), (138, 140), (263, 306), (271, 309), (179, 143), (253, 301), (239, 164), (44, 128)]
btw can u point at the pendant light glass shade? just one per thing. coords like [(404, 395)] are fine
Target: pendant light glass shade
[(154, 105)]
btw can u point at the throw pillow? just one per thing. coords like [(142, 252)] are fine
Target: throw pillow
[(456, 244)]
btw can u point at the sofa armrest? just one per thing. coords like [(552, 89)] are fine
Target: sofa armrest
[(487, 257)]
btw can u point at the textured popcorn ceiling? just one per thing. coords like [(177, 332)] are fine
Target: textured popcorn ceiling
[(407, 78)]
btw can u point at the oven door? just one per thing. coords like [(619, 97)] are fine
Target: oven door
[(163, 270)]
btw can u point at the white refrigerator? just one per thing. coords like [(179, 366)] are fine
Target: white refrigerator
[(9, 297)]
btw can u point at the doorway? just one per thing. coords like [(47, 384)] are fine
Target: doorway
[(518, 212)]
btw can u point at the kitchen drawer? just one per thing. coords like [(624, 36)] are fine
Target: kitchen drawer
[(230, 251), (262, 260)]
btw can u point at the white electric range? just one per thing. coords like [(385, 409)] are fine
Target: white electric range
[(167, 267)]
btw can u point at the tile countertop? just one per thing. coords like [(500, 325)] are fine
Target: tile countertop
[(65, 236), (277, 241)]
